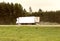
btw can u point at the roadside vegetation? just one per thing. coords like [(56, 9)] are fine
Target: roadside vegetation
[(29, 33)]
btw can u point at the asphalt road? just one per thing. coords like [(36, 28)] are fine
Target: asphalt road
[(34, 25)]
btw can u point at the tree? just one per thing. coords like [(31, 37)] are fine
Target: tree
[(9, 12), (40, 10), (24, 12), (30, 10)]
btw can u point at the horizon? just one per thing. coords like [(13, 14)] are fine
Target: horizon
[(45, 5)]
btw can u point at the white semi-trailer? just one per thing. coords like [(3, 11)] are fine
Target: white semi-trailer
[(28, 20)]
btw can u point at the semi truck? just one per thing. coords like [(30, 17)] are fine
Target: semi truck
[(28, 20)]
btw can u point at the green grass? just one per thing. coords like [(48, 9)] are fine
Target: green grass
[(29, 33)]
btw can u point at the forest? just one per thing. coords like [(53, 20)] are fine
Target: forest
[(9, 12)]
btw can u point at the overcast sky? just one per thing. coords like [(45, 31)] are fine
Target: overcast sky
[(45, 5)]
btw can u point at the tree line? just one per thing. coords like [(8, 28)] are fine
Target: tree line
[(48, 16), (9, 12)]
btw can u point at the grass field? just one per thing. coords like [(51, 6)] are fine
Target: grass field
[(29, 33)]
